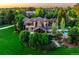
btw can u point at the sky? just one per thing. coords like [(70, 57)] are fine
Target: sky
[(44, 5), (24, 3)]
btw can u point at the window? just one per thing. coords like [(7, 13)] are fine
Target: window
[(26, 28)]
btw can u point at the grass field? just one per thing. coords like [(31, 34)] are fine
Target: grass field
[(11, 45)]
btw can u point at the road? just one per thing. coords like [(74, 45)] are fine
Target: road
[(6, 27)]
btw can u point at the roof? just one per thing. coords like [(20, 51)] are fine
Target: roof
[(39, 28), (43, 28), (27, 20), (39, 19)]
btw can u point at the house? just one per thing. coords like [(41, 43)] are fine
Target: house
[(38, 24)]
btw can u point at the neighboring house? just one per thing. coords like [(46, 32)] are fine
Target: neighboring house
[(38, 24)]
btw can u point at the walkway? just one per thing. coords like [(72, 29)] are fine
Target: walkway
[(6, 27)]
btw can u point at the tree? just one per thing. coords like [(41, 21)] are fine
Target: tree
[(49, 15), (38, 40), (61, 14), (54, 28), (55, 12), (62, 24), (40, 12), (19, 21), (32, 40), (24, 36), (7, 16), (72, 13), (35, 40), (45, 39), (2, 16), (52, 13), (11, 16)]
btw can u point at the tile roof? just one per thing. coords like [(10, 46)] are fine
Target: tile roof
[(39, 28)]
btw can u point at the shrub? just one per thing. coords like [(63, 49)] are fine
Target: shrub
[(74, 40), (38, 40), (24, 36), (32, 40), (74, 33), (45, 39)]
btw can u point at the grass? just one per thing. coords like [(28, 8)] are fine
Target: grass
[(10, 44)]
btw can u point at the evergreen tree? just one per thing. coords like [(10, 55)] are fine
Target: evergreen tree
[(62, 24)]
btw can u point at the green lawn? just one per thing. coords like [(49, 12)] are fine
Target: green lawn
[(10, 44)]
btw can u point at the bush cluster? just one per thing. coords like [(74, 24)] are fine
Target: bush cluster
[(35, 39)]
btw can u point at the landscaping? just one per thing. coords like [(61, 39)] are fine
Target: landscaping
[(11, 45), (37, 31)]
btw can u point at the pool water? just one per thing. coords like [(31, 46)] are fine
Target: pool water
[(65, 34)]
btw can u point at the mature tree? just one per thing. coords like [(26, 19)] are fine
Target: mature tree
[(76, 7), (40, 12), (54, 28), (49, 15), (2, 16), (60, 15), (11, 16), (71, 17), (53, 13), (24, 36), (7, 16), (72, 13), (19, 20), (37, 40), (32, 40), (31, 8), (62, 24), (45, 39)]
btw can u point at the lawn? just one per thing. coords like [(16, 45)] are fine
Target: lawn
[(10, 44)]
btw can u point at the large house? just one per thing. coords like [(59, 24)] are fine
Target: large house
[(38, 24)]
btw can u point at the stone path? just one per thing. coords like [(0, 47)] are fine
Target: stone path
[(6, 27), (56, 43)]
